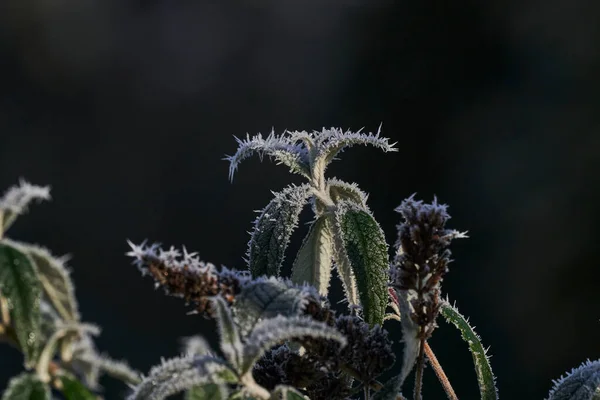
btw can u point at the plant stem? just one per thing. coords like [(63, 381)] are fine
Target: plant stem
[(437, 368), (4, 310), (1, 224), (419, 371)]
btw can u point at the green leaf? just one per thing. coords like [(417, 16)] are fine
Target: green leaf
[(210, 391), (284, 392), (21, 288), (365, 246), (581, 383), (314, 260), (485, 377), (230, 342), (390, 389), (267, 298), (273, 331), (178, 375), (26, 387), (56, 283), (72, 389), (273, 228), (340, 190)]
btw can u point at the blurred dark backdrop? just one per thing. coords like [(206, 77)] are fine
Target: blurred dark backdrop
[(126, 109)]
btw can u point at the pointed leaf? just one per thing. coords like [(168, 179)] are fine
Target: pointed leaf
[(268, 298), (285, 148), (72, 389), (365, 246), (231, 344), (332, 141), (485, 377), (16, 201), (273, 228), (56, 282), (314, 260), (340, 190), (26, 387), (209, 391), (177, 375), (284, 392), (344, 267), (273, 331), (21, 287), (581, 383), (390, 389)]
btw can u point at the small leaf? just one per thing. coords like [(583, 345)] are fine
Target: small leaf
[(72, 389), (485, 377), (26, 387), (273, 331), (340, 190), (390, 389), (196, 345), (365, 246), (178, 375), (273, 228), (267, 298), (230, 343), (332, 141), (21, 287), (284, 392), (16, 201), (56, 282), (209, 391), (581, 383), (314, 260)]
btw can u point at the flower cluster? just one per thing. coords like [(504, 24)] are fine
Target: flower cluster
[(422, 260), (184, 275)]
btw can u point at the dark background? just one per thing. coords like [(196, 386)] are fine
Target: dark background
[(126, 109)]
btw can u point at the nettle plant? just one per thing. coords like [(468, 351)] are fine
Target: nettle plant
[(279, 337)]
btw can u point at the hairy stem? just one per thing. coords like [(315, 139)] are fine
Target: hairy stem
[(4, 310), (437, 368), (419, 371)]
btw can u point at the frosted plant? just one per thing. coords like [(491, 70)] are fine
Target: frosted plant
[(279, 338), (343, 234), (40, 316)]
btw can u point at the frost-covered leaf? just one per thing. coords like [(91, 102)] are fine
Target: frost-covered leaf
[(56, 282), (485, 377), (344, 268), (365, 246), (330, 142), (196, 345), (412, 342), (273, 228), (273, 331), (26, 387), (72, 389), (177, 375), (267, 298), (89, 364), (209, 391), (581, 383), (51, 344), (390, 389), (17, 199), (314, 260), (340, 190), (230, 342), (287, 149), (284, 392), (20, 286)]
